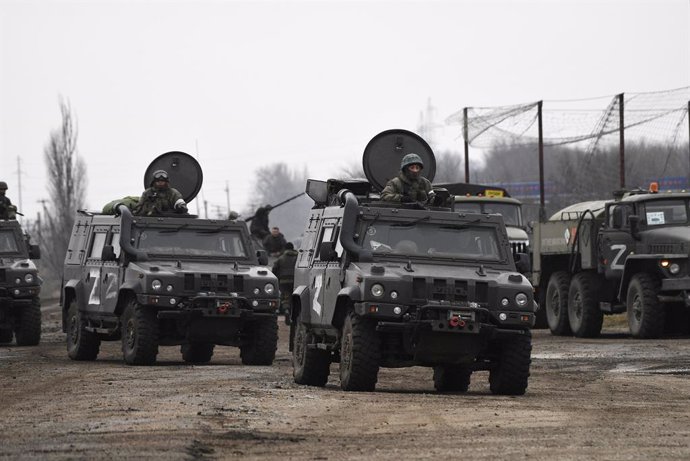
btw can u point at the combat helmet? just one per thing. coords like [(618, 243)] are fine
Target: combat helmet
[(159, 174), (3, 185), (411, 159)]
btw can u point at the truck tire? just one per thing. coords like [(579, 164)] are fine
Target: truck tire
[(139, 334), (556, 304), (27, 330), (646, 314), (262, 344), (6, 336), (359, 354), (81, 344), (452, 378), (310, 366), (510, 373), (197, 352), (584, 316)]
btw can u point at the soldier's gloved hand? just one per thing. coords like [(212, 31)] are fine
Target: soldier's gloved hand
[(406, 199), (180, 206)]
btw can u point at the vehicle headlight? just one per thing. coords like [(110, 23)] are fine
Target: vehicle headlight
[(256, 291), (394, 295), (156, 284), (521, 299), (29, 278), (377, 290), (505, 302), (169, 288), (269, 288), (674, 269), (17, 281)]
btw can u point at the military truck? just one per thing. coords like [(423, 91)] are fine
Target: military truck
[(20, 286), (167, 280), (381, 284), (629, 254)]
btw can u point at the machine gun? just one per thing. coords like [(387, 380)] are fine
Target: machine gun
[(259, 221)]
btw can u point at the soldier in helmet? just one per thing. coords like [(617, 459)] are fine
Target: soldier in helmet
[(409, 186), (160, 198), (7, 210)]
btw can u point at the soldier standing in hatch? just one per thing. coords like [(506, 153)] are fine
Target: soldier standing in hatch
[(409, 186), (274, 243), (284, 269), (259, 225), (7, 210), (160, 198)]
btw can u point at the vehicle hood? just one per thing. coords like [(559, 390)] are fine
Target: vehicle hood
[(196, 267), (469, 272)]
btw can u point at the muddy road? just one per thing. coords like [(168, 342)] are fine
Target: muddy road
[(609, 398)]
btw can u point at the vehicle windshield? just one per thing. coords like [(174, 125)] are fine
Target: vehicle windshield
[(433, 240), (664, 212), (8, 242), (191, 242), (509, 211)]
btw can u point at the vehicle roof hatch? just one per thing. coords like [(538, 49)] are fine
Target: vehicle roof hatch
[(183, 170)]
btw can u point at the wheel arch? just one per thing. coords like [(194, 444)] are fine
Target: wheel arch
[(635, 264)]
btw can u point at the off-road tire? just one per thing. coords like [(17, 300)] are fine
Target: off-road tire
[(584, 316), (197, 352), (452, 378), (6, 336), (27, 329), (556, 303), (81, 344), (510, 373), (139, 328), (310, 366), (260, 348), (646, 315), (359, 354)]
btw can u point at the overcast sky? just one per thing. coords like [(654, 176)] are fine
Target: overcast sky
[(307, 83)]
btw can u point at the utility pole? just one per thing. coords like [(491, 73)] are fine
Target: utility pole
[(465, 134), (227, 196), (621, 129), (205, 209), (542, 206)]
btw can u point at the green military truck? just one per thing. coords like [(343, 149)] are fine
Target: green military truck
[(629, 255), (380, 284), (20, 286), (167, 280)]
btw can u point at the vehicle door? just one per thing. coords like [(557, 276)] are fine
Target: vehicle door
[(615, 240), (111, 272), (332, 282), (318, 272), (93, 266)]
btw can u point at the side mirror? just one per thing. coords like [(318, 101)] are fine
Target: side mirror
[(108, 253), (634, 221), (34, 252), (327, 252), (617, 217), (522, 263), (263, 257)]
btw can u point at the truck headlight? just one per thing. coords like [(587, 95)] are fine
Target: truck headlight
[(674, 269), (169, 288), (269, 288), (156, 285), (29, 278), (377, 290), (521, 299), (17, 281)]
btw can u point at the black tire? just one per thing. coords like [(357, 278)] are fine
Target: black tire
[(27, 330), (584, 316), (359, 354), (452, 378), (260, 349), (310, 366), (510, 374), (139, 334), (81, 344), (6, 336), (197, 352), (556, 304), (646, 315)]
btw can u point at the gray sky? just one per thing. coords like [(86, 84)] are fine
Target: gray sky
[(308, 83)]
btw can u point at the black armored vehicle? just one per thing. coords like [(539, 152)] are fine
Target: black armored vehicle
[(381, 284), (20, 285), (167, 280)]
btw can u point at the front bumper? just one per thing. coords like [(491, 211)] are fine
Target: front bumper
[(220, 307)]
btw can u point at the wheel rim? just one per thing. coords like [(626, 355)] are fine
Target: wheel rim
[(74, 329), (577, 305), (555, 303), (637, 308), (131, 334)]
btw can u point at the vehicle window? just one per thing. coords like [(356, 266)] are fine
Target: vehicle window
[(428, 240), (191, 242), (509, 211), (660, 212), (326, 235), (624, 210), (8, 243), (115, 242), (338, 245), (468, 207), (97, 245)]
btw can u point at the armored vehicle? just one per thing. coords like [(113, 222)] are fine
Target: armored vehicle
[(629, 255), (20, 285), (381, 284), (167, 280)]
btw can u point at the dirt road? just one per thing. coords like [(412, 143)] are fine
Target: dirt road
[(608, 398)]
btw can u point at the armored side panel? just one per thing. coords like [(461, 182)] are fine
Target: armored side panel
[(183, 170)]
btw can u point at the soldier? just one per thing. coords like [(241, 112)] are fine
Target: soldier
[(7, 210), (274, 243), (160, 198), (284, 269), (259, 225), (409, 186)]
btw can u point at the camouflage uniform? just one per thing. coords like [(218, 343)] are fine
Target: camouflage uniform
[(416, 189), (154, 202), (7, 210), (284, 269)]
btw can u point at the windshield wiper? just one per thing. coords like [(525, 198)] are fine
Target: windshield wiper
[(412, 223), (213, 231), (172, 231)]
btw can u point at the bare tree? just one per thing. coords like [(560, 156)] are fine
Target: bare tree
[(66, 189)]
